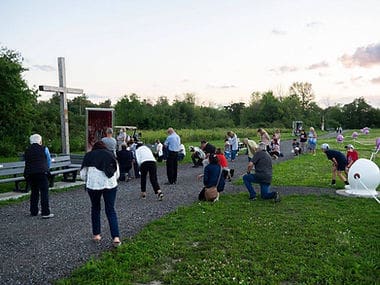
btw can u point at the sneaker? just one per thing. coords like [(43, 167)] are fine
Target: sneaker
[(252, 198), (277, 197), (232, 171), (143, 195), (48, 216), (160, 196)]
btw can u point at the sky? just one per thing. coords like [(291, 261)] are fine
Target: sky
[(220, 51)]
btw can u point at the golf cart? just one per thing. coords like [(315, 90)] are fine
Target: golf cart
[(131, 131), (297, 127)]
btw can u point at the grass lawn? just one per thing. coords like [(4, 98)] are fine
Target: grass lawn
[(301, 240)]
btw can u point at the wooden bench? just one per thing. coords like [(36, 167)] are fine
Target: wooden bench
[(14, 171)]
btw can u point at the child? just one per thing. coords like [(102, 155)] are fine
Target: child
[(352, 156), (296, 147)]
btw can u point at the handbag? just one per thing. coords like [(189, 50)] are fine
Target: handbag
[(212, 193)]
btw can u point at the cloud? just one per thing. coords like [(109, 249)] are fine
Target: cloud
[(47, 68), (321, 64), (226, 86), (279, 32), (375, 80), (284, 69), (364, 56), (314, 24), (357, 78)]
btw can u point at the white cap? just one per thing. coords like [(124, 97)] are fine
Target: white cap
[(325, 146), (349, 146)]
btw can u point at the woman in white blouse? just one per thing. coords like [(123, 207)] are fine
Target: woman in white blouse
[(100, 171)]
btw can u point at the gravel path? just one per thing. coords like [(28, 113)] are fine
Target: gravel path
[(37, 251)]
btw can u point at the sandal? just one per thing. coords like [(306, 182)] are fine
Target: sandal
[(96, 238), (116, 243)]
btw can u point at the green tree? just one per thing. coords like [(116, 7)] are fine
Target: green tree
[(357, 114), (304, 91), (234, 111), (269, 110), (17, 103)]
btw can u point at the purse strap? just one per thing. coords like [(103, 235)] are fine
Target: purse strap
[(220, 175)]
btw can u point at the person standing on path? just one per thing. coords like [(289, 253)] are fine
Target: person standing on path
[(261, 163), (172, 144), (264, 138), (109, 141), (100, 172), (147, 163), (312, 141), (37, 164), (234, 144)]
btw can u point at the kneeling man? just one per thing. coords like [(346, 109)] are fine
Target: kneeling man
[(261, 163)]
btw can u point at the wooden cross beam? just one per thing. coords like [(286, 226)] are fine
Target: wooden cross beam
[(62, 90)]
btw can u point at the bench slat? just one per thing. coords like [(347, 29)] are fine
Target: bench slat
[(59, 165)]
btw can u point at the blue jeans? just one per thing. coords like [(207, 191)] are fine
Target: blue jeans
[(249, 179), (109, 196), (233, 154)]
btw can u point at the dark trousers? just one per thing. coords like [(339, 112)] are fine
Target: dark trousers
[(109, 197), (136, 169), (197, 161), (151, 168), (39, 184), (172, 166)]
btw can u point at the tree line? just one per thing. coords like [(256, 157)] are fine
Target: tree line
[(21, 113)]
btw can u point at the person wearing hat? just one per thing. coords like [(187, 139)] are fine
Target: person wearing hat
[(339, 163), (197, 156), (351, 155)]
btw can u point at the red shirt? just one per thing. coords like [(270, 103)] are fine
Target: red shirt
[(222, 160), (352, 156)]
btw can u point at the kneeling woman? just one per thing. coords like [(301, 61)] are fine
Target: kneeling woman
[(212, 176), (100, 171)]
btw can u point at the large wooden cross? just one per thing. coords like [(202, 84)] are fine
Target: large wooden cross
[(62, 90)]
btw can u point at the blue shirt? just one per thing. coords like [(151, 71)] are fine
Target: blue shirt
[(211, 176), (48, 157), (173, 142)]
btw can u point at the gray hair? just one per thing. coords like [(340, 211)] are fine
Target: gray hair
[(262, 146), (36, 138), (109, 131)]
